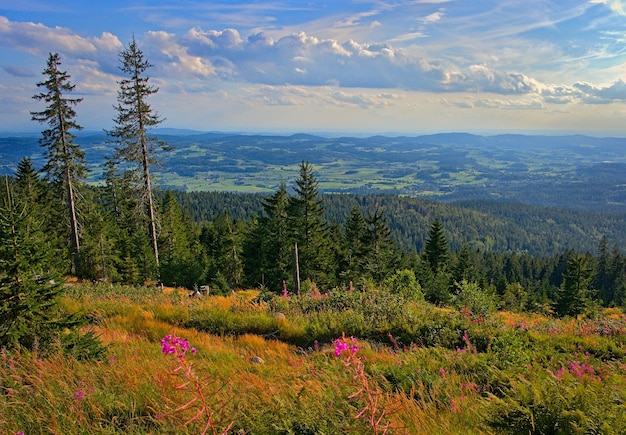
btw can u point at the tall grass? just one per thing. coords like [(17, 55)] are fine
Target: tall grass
[(418, 369)]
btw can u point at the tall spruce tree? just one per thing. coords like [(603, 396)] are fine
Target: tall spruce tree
[(436, 251), (275, 241), (574, 296), (602, 280), (433, 268), (222, 241), (310, 230), (29, 286), (136, 148), (65, 166), (355, 240), (382, 252), (182, 260)]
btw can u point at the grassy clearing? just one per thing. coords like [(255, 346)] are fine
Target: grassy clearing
[(269, 366)]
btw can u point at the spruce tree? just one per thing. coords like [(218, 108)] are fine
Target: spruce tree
[(574, 295), (29, 284), (355, 239), (436, 251), (65, 166), (309, 228), (99, 256), (275, 243), (464, 268), (221, 241), (381, 249), (136, 148), (602, 279), (182, 262), (28, 184), (433, 269)]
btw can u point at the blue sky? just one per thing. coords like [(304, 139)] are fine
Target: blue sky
[(364, 67)]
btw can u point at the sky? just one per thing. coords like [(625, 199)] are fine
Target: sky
[(349, 66)]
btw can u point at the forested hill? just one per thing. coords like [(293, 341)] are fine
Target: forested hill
[(483, 225)]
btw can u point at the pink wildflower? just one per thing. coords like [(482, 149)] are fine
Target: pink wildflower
[(175, 345), (343, 345)]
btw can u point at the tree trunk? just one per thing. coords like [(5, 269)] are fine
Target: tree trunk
[(151, 214), (296, 269)]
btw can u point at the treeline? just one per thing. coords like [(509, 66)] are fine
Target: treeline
[(483, 225), (256, 249)]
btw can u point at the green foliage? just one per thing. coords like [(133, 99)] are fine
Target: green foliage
[(65, 161), (28, 291), (181, 254), (549, 405), (269, 245), (515, 297), (405, 283), (309, 229), (574, 296), (436, 251), (381, 254), (135, 148), (470, 297)]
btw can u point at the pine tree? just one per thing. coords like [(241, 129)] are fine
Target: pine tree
[(574, 295), (381, 249), (464, 268), (433, 268), (602, 279), (29, 287), (310, 230), (275, 243), (27, 182), (436, 251), (221, 241), (355, 239), (136, 149), (99, 256), (182, 262), (65, 164)]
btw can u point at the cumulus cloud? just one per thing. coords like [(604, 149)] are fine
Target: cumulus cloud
[(585, 93), (298, 59), (305, 60), (40, 40)]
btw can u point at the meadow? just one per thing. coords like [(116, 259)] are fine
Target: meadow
[(350, 361)]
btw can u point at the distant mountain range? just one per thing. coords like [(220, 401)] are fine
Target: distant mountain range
[(574, 171)]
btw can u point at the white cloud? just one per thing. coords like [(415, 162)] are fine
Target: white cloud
[(305, 60), (176, 59), (587, 93), (38, 39)]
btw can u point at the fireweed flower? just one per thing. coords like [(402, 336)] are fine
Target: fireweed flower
[(175, 345), (343, 345)]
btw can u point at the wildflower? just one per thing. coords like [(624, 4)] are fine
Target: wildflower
[(175, 345), (442, 371), (342, 345), (79, 395)]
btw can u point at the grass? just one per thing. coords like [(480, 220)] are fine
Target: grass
[(419, 369)]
